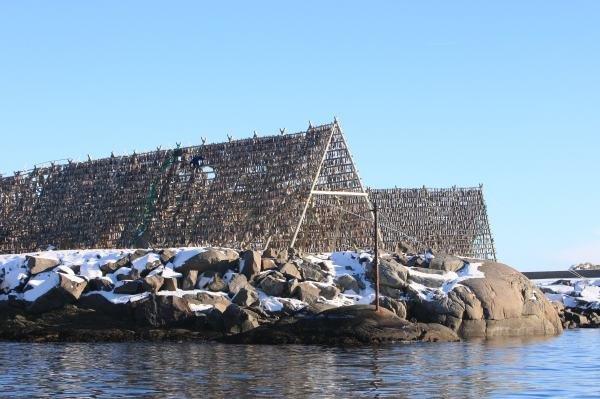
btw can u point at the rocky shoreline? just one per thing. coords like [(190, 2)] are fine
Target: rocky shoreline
[(263, 297), (577, 301)]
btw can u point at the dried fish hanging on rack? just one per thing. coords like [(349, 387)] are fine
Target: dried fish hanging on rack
[(450, 220), (241, 193)]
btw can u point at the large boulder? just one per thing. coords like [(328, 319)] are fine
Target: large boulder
[(447, 263), (238, 282), (37, 264), (130, 287), (66, 289), (237, 319), (113, 266), (210, 260), (152, 283), (307, 292), (312, 272), (246, 297), (251, 264), (190, 279), (99, 284), (346, 282), (161, 310), (503, 303), (273, 286), (290, 271)]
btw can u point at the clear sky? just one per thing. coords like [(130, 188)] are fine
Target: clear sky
[(442, 93)]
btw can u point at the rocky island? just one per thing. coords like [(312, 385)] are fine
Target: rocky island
[(266, 296)]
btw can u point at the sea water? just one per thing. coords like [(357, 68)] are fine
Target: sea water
[(561, 367)]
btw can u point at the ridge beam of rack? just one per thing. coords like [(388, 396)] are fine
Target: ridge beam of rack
[(347, 193)]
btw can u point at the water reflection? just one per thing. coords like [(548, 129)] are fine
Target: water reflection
[(564, 366)]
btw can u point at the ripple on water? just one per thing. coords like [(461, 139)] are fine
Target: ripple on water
[(565, 366)]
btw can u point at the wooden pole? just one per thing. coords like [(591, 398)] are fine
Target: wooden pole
[(376, 258)]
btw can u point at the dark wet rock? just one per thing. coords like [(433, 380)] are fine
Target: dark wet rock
[(252, 263), (352, 325), (152, 283), (393, 305), (112, 267), (237, 319), (210, 260), (447, 263), (99, 284), (159, 310), (130, 287), (273, 286), (190, 279), (37, 264), (68, 290), (416, 261), (246, 296)]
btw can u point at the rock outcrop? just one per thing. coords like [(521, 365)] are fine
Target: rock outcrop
[(504, 303)]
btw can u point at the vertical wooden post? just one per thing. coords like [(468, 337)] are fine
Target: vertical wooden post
[(376, 258)]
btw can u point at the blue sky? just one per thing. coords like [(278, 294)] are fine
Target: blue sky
[(433, 93)]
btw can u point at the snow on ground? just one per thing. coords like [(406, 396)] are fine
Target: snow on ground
[(582, 293)]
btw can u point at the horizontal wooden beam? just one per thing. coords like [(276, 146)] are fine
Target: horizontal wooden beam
[(346, 193)]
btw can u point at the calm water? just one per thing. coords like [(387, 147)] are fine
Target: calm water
[(565, 366)]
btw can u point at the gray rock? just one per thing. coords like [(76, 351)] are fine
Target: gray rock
[(99, 284), (167, 255), (130, 287), (189, 280), (447, 263), (209, 299), (312, 272), (37, 264), (328, 291), (112, 267), (246, 297), (307, 292), (68, 290), (210, 260), (238, 282), (237, 319), (162, 311), (152, 283), (273, 286), (504, 303), (268, 264), (169, 284), (218, 284), (252, 263), (394, 305), (289, 270), (346, 282)]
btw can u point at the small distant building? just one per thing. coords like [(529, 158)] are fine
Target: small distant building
[(301, 190)]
